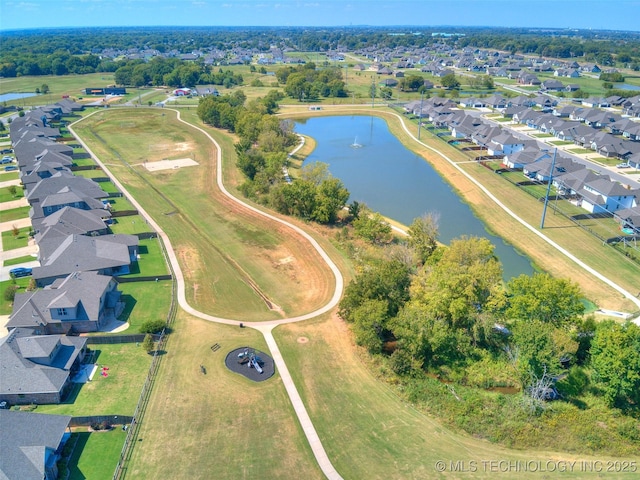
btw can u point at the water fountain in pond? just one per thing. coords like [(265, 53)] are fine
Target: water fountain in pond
[(355, 143)]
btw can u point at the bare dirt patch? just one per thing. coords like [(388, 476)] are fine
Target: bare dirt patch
[(170, 164), (303, 340)]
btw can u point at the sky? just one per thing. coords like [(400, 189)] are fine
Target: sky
[(583, 14)]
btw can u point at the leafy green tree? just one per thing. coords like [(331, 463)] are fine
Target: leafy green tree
[(372, 227), (615, 360), (148, 343), (423, 236), (541, 297), (370, 324), (331, 197), (153, 326), (459, 285), (383, 280), (315, 172), (450, 81), (44, 89), (537, 349)]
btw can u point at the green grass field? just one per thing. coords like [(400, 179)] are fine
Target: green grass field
[(144, 301), (217, 425), (96, 454), (116, 394), (244, 247)]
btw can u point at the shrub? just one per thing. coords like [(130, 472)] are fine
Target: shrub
[(10, 293), (152, 326)]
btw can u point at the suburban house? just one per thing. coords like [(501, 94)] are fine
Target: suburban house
[(32, 444), (572, 183), (603, 195), (518, 160), (64, 182), (38, 368), (106, 254), (81, 302), (66, 198), (71, 220), (542, 170), (504, 144), (629, 218)]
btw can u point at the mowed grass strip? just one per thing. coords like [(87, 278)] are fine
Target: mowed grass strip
[(370, 432), (219, 424), (223, 248)]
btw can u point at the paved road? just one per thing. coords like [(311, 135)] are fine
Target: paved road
[(264, 327)]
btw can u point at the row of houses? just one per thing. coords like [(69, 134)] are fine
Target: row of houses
[(595, 193), (75, 288)]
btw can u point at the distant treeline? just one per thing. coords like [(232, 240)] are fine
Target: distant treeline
[(66, 51)]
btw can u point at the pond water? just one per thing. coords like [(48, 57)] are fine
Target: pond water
[(392, 180), (7, 97), (626, 86)]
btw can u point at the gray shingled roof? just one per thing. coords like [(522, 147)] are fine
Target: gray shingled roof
[(81, 253), (19, 375), (79, 290), (63, 182), (69, 221), (25, 438)]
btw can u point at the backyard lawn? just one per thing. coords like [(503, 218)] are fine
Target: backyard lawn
[(144, 301), (116, 394), (96, 454)]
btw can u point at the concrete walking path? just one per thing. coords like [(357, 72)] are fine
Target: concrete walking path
[(264, 327)]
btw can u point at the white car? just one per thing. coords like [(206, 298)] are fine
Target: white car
[(623, 165)]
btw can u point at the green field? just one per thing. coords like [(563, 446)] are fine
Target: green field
[(246, 250), (144, 301), (116, 394), (219, 424)]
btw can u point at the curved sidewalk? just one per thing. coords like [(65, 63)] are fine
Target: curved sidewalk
[(264, 327)]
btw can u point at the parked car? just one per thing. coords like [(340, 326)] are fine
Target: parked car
[(4, 151), (20, 272), (623, 165), (9, 168), (6, 160)]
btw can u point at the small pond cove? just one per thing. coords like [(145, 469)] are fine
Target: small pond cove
[(394, 181)]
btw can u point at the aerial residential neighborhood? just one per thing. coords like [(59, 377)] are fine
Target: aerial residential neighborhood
[(190, 292)]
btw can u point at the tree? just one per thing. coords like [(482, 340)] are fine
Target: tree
[(459, 285), (541, 297), (331, 197), (15, 231), (450, 81), (10, 292), (537, 349), (12, 190), (148, 343), (153, 326), (384, 280), (44, 89), (423, 236), (372, 227), (615, 360)]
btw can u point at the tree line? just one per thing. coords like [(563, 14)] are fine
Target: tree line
[(445, 311), (262, 155)]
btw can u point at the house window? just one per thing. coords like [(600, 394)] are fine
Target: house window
[(62, 312)]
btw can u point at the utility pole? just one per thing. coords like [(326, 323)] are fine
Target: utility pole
[(546, 197), (420, 116)]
